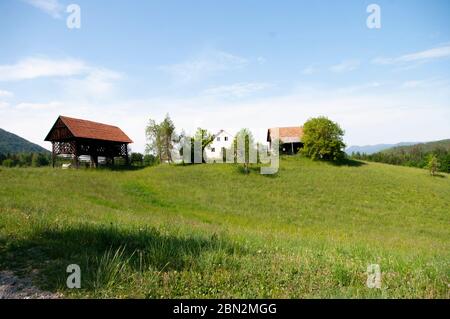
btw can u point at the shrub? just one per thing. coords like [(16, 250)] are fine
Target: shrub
[(38, 160), (136, 159), (433, 164), (8, 163), (149, 160)]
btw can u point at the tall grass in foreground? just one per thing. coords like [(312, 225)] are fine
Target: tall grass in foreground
[(210, 231)]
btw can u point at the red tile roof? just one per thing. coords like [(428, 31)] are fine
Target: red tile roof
[(285, 134), (94, 130)]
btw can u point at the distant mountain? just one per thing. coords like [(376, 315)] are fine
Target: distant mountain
[(12, 144), (371, 149), (422, 147)]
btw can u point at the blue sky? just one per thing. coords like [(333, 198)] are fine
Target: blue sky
[(228, 64)]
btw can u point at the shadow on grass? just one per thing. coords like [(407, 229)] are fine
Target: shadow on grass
[(347, 162), (439, 175), (105, 254), (122, 168)]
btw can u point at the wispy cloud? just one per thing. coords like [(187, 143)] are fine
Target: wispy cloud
[(4, 105), (205, 65), (422, 56), (35, 67), (39, 106), (426, 83), (360, 87), (6, 94), (52, 7), (97, 82), (346, 66), (237, 90), (261, 60), (311, 69), (79, 78)]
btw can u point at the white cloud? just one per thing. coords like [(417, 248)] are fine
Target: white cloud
[(309, 70), (51, 7), (261, 60), (98, 82), (79, 78), (358, 88), (426, 83), (367, 117), (422, 56), (35, 67), (39, 106), (4, 105), (6, 94), (237, 90), (207, 64), (345, 66)]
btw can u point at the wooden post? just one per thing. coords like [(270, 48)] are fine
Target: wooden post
[(127, 161), (75, 154), (53, 154)]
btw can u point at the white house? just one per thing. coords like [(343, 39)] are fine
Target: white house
[(222, 140)]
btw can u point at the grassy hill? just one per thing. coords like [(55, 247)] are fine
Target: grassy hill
[(211, 231), (12, 144)]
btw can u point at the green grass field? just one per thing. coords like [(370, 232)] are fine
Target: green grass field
[(212, 231)]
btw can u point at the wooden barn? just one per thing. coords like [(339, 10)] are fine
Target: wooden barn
[(76, 137), (290, 138)]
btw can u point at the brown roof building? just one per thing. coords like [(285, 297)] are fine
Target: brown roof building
[(290, 138), (76, 137)]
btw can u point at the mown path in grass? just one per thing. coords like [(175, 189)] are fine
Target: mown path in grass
[(211, 231)]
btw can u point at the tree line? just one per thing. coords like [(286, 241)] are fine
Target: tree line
[(439, 158), (25, 159)]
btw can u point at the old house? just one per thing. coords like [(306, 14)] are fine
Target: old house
[(76, 137), (222, 140), (290, 138)]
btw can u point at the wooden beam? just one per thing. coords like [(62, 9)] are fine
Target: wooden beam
[(53, 154)]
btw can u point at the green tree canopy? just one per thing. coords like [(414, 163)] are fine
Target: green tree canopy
[(160, 138), (248, 150), (323, 139), (136, 159)]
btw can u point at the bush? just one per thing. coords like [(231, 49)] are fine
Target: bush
[(38, 160), (8, 163), (136, 159), (150, 160), (322, 139), (433, 164)]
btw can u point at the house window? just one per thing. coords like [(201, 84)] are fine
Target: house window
[(226, 138), (218, 139), (213, 150)]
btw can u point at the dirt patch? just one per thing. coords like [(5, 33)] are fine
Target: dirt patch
[(12, 287)]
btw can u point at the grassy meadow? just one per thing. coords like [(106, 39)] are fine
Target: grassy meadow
[(210, 231)]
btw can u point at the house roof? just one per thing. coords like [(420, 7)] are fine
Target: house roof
[(93, 130), (285, 134), (220, 132)]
